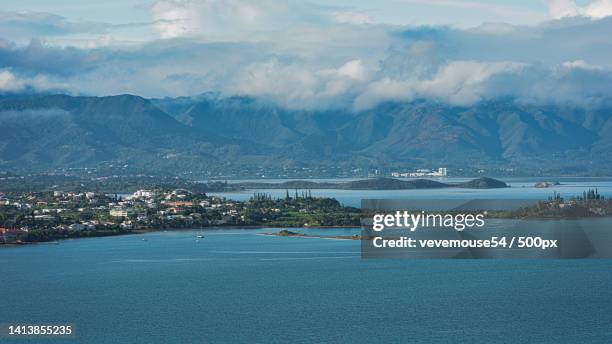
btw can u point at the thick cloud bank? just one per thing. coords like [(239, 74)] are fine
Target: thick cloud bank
[(309, 56)]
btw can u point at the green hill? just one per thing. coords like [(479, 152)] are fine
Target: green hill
[(42, 132)]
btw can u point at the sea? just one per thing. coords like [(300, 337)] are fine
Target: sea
[(519, 188), (239, 286)]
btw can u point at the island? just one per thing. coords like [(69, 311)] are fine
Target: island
[(379, 184), (288, 233)]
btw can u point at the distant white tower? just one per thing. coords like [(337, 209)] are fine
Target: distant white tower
[(442, 171)]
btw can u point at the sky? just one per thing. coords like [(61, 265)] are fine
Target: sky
[(312, 54)]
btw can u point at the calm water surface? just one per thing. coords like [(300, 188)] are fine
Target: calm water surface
[(237, 286), (519, 189)]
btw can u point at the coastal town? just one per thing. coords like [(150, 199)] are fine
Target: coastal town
[(53, 215)]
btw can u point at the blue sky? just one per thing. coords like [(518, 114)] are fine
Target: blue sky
[(312, 54)]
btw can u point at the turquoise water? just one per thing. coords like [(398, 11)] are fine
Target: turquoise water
[(237, 286)]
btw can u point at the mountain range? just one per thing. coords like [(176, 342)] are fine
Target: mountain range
[(41, 132)]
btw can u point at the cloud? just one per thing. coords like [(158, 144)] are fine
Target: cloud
[(352, 17), (294, 85), (596, 9), (232, 20), (39, 58), (464, 83), (550, 43), (459, 83), (197, 56), (26, 25), (23, 27), (306, 56), (465, 12), (581, 64), (173, 19), (566, 85), (562, 8), (10, 83)]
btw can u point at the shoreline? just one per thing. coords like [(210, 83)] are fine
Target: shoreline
[(309, 236), (144, 231), (253, 227)]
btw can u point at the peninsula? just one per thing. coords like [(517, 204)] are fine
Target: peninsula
[(52, 215)]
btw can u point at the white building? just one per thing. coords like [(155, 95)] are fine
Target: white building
[(441, 172), (120, 212), (143, 194)]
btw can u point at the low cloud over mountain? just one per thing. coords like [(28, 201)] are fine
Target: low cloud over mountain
[(213, 133)]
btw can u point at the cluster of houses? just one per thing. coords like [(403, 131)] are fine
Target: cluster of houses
[(78, 211), (143, 209), (177, 204)]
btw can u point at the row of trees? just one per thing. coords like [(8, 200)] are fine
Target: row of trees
[(588, 195), (262, 196)]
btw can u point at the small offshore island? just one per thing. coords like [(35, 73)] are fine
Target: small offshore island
[(288, 233), (28, 216), (380, 184)]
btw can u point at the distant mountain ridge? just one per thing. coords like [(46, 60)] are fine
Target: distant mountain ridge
[(41, 132)]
